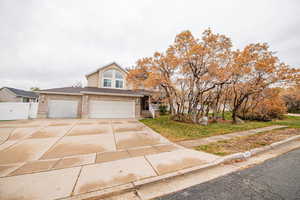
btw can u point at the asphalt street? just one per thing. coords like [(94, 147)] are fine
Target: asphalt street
[(278, 178)]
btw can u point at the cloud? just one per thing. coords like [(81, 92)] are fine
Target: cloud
[(55, 43)]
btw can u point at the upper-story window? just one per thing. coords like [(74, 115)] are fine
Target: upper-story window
[(119, 79), (108, 76), (113, 79)]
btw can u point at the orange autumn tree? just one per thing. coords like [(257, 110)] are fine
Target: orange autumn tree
[(187, 70), (199, 76), (255, 69), (291, 97), (264, 106)]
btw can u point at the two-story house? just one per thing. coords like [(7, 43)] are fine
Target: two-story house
[(107, 95)]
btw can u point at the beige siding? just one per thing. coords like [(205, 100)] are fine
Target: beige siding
[(108, 68), (8, 96), (45, 98), (93, 80)]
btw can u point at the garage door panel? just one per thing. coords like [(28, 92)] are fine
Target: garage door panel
[(111, 109), (62, 109)]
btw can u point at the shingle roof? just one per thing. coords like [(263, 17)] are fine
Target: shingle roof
[(63, 90), (78, 90), (22, 93)]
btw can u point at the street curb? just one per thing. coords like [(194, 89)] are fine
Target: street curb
[(115, 190), (253, 152), (276, 144), (136, 184)]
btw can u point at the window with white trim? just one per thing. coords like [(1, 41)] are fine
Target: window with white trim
[(118, 79), (113, 79)]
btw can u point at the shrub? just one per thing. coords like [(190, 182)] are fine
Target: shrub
[(291, 97), (163, 109), (183, 118), (266, 110)]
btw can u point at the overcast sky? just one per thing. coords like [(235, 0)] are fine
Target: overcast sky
[(55, 43)]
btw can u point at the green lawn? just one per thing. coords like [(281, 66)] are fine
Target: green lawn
[(178, 131), (290, 121)]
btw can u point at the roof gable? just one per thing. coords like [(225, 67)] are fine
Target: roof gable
[(106, 66)]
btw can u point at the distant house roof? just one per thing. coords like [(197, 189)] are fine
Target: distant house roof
[(62, 90), (113, 63), (92, 90), (22, 93)]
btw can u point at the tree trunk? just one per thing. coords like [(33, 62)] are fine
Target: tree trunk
[(244, 109), (207, 111), (172, 110), (223, 110), (234, 116)]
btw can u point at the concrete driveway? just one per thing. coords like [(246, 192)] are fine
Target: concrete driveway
[(53, 159)]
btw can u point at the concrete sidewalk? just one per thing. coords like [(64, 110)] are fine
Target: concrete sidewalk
[(54, 159), (204, 141), (294, 114)]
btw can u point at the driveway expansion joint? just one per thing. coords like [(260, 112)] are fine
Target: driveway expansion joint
[(60, 138), (73, 190), (156, 172), (8, 136)]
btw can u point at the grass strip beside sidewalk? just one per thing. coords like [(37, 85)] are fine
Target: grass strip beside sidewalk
[(246, 143), (179, 131)]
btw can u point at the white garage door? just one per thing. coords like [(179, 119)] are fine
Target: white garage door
[(62, 109), (111, 109)]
